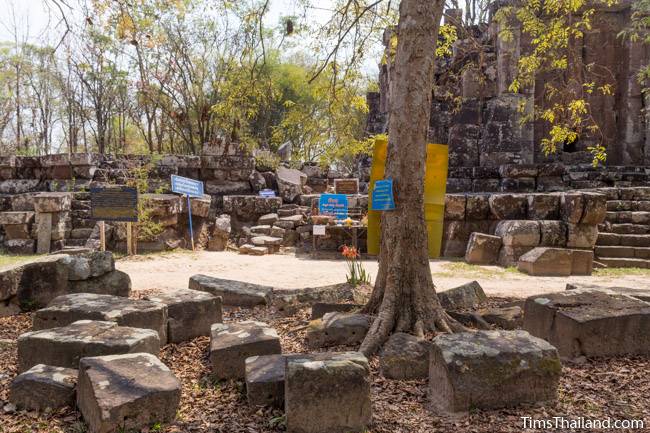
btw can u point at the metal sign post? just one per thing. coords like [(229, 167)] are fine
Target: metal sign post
[(191, 188)]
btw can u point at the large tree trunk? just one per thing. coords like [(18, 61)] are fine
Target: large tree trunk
[(404, 298)]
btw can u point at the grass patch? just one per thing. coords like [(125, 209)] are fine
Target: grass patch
[(456, 269), (9, 260), (620, 272)]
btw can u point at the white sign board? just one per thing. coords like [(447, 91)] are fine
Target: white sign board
[(319, 230)]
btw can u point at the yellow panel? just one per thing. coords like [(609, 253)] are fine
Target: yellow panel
[(435, 185)]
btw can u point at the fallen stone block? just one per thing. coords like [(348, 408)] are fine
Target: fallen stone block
[(64, 346), (136, 313), (233, 293), (126, 392), (546, 262), (483, 249), (44, 387), (268, 219), (328, 393), (291, 300), (265, 380), (336, 329), (290, 183), (590, 323), (505, 317), (491, 370), (231, 344), (509, 255), (468, 295), (405, 357), (114, 283), (35, 283), (191, 313), (582, 262), (640, 293), (319, 309)]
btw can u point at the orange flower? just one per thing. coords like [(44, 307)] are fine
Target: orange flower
[(350, 252)]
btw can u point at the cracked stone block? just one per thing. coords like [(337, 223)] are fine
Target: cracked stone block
[(328, 393), (336, 329), (546, 262), (405, 357), (468, 295), (231, 344), (582, 236), (126, 392), (586, 322), (233, 293), (265, 380), (191, 313), (553, 233), (36, 283), (93, 264), (483, 249), (114, 283), (136, 313), (42, 387), (508, 206), (16, 217), (491, 370), (543, 206), (595, 208), (64, 346)]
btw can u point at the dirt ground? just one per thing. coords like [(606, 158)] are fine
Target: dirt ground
[(173, 270)]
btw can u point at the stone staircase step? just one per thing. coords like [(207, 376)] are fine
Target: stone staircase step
[(613, 239), (629, 217), (75, 242), (620, 262), (620, 251), (630, 229)]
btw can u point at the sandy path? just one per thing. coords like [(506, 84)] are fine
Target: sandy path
[(173, 270)]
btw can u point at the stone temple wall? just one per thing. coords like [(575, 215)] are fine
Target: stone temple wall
[(475, 113)]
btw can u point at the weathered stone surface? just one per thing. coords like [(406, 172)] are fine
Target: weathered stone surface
[(478, 207), (20, 247), (543, 206), (265, 241), (93, 264), (455, 205), (641, 293), (328, 393), (491, 369), (35, 283), (191, 313), (571, 207), (505, 317), (231, 344), (509, 255), (483, 249), (590, 323), (582, 262), (595, 208), (268, 219), (52, 202), (468, 295), (44, 386), (581, 235), (553, 233), (233, 293), (508, 206), (64, 346), (336, 329), (290, 300), (319, 309), (519, 233), (546, 262), (405, 357), (20, 217), (126, 392), (290, 183), (17, 231), (114, 283), (261, 230), (265, 380), (67, 309), (200, 206)]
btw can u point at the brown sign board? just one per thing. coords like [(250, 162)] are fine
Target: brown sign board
[(114, 204), (346, 186)]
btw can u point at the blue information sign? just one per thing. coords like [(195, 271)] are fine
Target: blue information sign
[(382, 195), (183, 185), (334, 205)]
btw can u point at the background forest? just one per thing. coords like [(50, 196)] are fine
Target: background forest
[(158, 76)]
